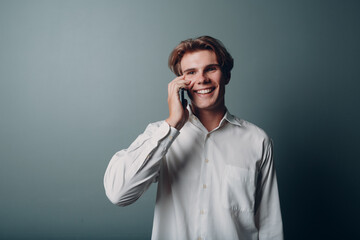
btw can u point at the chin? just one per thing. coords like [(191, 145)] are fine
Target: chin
[(203, 106)]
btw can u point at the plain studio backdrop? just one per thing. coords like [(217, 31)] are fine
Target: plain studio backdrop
[(80, 80)]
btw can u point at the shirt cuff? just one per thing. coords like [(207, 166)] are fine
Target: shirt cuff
[(161, 132), (170, 134), (173, 133)]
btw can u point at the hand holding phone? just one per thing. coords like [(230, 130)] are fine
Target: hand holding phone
[(178, 114)]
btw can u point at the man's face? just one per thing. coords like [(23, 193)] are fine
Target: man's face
[(207, 87)]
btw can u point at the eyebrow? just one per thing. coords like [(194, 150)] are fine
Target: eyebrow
[(207, 66)]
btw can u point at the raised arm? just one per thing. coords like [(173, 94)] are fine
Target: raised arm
[(131, 171)]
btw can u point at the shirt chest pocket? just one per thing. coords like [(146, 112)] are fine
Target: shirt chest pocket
[(238, 189)]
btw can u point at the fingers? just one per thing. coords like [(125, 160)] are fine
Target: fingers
[(178, 83)]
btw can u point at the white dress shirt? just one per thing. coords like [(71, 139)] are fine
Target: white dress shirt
[(211, 185)]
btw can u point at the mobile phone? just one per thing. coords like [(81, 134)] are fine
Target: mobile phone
[(182, 98)]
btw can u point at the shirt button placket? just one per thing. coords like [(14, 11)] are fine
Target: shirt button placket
[(204, 191)]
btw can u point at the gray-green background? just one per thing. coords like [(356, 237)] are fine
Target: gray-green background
[(79, 80)]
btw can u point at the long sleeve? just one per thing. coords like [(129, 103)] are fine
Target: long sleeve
[(131, 171), (268, 213)]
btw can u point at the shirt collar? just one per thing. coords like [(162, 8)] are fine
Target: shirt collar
[(228, 117), (231, 119)]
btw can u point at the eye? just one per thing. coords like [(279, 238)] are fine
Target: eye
[(210, 69), (190, 73)]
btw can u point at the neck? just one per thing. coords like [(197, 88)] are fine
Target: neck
[(209, 118)]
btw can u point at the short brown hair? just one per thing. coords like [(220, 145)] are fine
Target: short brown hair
[(224, 58)]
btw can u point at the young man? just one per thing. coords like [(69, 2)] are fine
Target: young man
[(215, 172)]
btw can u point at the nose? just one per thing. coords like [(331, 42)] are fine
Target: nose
[(202, 78)]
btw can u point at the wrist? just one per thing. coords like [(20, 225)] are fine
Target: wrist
[(174, 124)]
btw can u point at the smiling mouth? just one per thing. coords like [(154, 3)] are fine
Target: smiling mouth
[(204, 91)]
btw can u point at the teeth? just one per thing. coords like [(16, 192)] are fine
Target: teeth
[(203, 91)]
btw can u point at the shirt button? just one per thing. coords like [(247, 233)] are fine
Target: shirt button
[(202, 212), (199, 238), (207, 160), (204, 186)]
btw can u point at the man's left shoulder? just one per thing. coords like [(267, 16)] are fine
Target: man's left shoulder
[(251, 129)]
